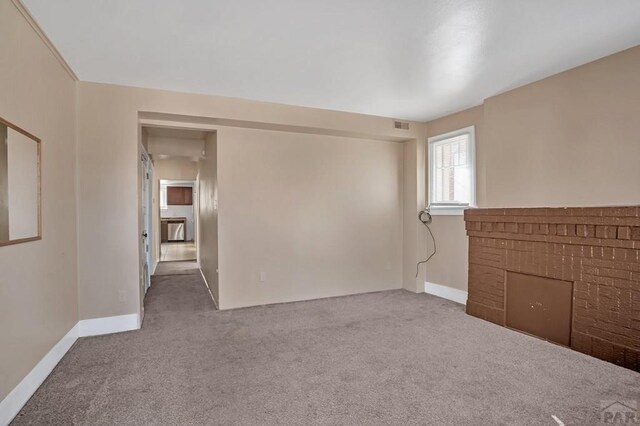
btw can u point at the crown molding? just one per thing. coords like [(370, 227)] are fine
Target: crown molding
[(34, 24)]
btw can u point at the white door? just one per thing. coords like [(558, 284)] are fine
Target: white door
[(146, 214)]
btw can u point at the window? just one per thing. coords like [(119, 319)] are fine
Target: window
[(452, 171), (163, 197)]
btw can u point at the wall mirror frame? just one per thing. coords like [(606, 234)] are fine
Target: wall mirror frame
[(20, 185)]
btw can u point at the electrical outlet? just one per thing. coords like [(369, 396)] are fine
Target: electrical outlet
[(263, 277), (122, 296)]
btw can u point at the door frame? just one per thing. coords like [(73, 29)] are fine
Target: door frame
[(194, 184), (147, 219)]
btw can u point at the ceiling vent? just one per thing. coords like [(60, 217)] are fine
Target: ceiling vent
[(401, 125)]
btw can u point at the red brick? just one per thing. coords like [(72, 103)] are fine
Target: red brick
[(581, 343), (561, 229), (633, 211), (605, 231), (624, 233), (511, 227), (597, 248), (615, 273), (602, 349), (581, 230), (608, 253)]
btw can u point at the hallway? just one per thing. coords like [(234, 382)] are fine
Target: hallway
[(176, 295), (174, 252)]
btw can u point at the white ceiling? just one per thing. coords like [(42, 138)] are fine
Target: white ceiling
[(411, 59)]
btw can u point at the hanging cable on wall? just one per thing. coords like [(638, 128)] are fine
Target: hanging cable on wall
[(425, 217)]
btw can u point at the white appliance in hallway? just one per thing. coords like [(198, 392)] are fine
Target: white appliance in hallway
[(176, 231)]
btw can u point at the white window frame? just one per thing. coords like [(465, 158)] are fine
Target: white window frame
[(449, 209)]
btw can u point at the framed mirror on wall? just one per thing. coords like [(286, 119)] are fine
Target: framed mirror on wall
[(20, 185)]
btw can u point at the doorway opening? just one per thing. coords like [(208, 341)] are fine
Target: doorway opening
[(176, 154), (177, 220), (180, 205)]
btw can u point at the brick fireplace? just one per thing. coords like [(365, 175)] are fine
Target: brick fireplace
[(590, 254)]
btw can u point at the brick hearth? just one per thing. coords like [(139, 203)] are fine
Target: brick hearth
[(598, 249)]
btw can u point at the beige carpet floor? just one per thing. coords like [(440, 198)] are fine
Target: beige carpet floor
[(185, 267), (388, 358)]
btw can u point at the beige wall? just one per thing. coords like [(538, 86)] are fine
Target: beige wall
[(568, 140), (38, 286), (144, 138), (175, 169), (4, 184), (175, 147), (414, 234), (320, 215), (207, 215), (108, 153)]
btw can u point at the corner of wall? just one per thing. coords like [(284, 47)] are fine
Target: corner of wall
[(413, 202)]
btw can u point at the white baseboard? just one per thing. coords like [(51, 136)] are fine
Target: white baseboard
[(108, 325), (458, 296), (15, 400), (11, 405)]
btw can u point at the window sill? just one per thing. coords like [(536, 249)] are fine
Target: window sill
[(448, 211)]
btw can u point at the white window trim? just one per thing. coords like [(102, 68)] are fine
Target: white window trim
[(451, 210)]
